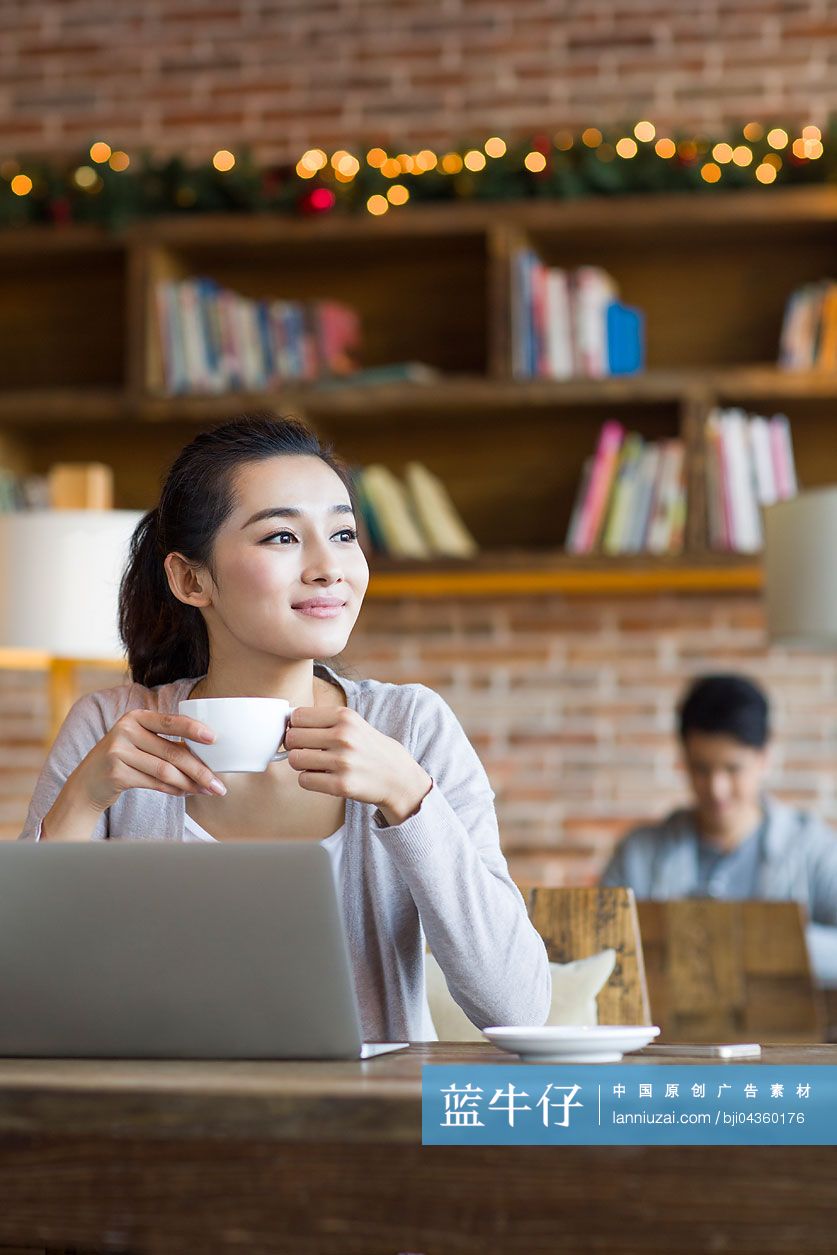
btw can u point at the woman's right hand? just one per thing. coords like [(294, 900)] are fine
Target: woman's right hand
[(133, 756)]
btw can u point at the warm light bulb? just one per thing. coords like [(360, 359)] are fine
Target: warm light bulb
[(398, 194), (21, 185), (811, 132), (338, 156), (223, 160), (348, 166), (377, 205), (304, 172), (474, 160), (777, 138), (766, 173), (119, 161), (753, 131), (722, 153), (535, 162), (100, 151), (391, 169), (376, 158), (426, 160), (314, 159), (451, 163), (85, 176), (592, 137), (710, 173), (626, 147), (645, 131), (665, 148), (563, 140), (495, 147), (742, 155)]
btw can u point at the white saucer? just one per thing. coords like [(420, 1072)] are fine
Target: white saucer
[(600, 1043)]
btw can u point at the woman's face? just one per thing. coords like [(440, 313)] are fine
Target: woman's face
[(290, 574)]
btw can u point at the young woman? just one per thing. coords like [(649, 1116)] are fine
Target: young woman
[(246, 573)]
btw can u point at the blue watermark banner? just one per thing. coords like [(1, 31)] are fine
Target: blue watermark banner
[(628, 1105)]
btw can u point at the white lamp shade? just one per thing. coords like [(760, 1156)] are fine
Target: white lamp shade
[(800, 569), (59, 580)]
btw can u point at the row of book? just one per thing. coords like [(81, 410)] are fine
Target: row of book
[(749, 464), (570, 324), (410, 518), (631, 496), (809, 328), (215, 340)]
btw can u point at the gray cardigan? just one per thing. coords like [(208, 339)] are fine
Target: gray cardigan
[(798, 861), (440, 874)]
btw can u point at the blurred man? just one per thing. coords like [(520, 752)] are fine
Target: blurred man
[(735, 841)]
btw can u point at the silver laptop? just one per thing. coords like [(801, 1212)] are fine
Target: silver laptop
[(162, 950)]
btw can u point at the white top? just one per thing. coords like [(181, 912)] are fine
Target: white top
[(192, 831)]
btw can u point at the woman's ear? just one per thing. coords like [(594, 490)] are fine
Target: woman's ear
[(189, 583)]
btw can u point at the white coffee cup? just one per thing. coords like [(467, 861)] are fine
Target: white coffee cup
[(247, 730)]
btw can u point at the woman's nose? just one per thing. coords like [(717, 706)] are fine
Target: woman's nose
[(321, 563)]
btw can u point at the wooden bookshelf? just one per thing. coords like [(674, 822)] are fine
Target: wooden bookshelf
[(81, 375)]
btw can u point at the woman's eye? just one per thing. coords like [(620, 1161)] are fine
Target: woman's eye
[(347, 534)]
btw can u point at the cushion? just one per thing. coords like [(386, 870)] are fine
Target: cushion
[(574, 989)]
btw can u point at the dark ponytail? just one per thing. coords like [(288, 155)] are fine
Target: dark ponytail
[(166, 639)]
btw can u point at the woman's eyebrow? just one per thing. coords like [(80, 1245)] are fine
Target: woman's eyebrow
[(291, 512)]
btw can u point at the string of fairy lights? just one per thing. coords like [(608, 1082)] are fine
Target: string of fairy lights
[(806, 147), (111, 187)]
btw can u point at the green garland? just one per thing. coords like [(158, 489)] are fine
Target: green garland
[(84, 190)]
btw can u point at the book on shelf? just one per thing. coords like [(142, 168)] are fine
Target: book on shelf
[(213, 340), (808, 339), (631, 496), (568, 324), (749, 464), (414, 518), (437, 515)]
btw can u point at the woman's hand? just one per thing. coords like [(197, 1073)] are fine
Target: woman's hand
[(133, 756), (336, 751)]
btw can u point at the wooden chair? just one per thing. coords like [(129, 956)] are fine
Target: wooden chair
[(729, 971), (576, 922)]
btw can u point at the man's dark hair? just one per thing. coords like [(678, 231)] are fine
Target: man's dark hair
[(728, 705)]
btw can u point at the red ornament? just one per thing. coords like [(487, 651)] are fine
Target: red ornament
[(318, 201), (542, 144)]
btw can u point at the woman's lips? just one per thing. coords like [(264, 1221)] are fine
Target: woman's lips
[(321, 612)]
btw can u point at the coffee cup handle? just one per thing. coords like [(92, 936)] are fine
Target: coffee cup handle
[(283, 754)]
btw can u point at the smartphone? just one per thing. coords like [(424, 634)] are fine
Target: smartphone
[(728, 1050)]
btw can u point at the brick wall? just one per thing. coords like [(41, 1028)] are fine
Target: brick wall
[(194, 75), (569, 704)]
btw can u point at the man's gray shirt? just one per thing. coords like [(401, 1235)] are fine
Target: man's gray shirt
[(797, 859)]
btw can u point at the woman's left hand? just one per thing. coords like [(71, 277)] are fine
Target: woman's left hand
[(336, 751)]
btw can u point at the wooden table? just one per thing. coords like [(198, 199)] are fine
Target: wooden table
[(326, 1159)]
